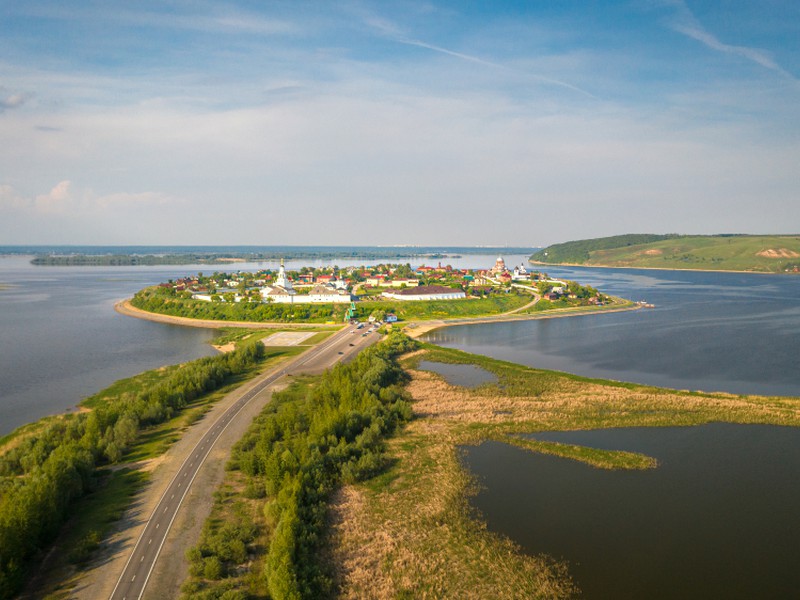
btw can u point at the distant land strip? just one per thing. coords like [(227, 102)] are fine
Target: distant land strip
[(724, 252), (115, 260), (227, 255)]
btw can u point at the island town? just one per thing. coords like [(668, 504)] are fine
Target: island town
[(379, 288)]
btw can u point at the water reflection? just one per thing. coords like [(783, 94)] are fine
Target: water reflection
[(709, 331), (716, 519)]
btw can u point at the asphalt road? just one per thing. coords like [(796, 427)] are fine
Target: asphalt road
[(341, 346)]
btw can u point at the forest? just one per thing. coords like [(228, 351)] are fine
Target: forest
[(43, 474)]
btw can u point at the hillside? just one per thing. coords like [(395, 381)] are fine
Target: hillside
[(757, 253)]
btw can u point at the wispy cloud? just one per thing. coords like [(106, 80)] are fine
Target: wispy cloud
[(389, 31), (684, 21), (199, 16)]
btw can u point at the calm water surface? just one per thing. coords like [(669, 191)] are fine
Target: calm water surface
[(718, 518), (709, 331)]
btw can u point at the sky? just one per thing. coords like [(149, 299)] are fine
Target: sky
[(391, 123)]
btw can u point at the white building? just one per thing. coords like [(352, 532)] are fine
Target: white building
[(283, 292), (426, 292), (520, 274)]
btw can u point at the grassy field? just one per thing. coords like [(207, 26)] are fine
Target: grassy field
[(423, 310), (766, 254)]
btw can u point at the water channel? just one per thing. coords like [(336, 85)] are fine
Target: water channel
[(716, 519)]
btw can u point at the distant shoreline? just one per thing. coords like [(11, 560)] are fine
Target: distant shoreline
[(535, 262)]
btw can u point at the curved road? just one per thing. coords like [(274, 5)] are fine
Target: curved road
[(342, 345)]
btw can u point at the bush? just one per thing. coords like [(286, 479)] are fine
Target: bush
[(212, 568)]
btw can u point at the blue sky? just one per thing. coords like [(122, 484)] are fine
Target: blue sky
[(521, 123)]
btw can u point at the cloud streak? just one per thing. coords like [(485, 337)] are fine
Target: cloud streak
[(389, 31), (686, 23)]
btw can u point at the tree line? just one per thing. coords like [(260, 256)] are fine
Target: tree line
[(306, 442), (46, 473), (166, 301)]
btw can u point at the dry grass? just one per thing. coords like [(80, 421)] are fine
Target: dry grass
[(409, 533)]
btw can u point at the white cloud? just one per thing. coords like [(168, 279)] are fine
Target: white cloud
[(12, 100), (11, 200), (57, 201), (65, 199)]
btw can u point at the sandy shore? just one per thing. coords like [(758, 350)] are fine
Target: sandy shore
[(125, 307)]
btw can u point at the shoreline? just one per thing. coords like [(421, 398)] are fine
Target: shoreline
[(416, 329), (585, 266), (413, 329)]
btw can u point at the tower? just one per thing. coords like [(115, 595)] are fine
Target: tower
[(282, 280), (499, 266)]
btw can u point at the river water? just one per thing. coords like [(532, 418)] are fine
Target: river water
[(730, 332), (61, 340)]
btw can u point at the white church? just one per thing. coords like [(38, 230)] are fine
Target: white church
[(283, 292)]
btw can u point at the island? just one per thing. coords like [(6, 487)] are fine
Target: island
[(388, 293), (724, 252)]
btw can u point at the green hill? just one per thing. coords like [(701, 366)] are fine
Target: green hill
[(735, 252)]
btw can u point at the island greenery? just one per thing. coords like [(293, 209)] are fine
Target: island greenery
[(369, 292), (161, 301), (735, 252)]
